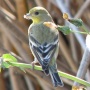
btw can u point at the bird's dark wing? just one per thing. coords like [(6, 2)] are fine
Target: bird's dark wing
[(44, 52), (34, 44)]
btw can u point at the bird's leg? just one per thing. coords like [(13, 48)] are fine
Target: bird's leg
[(33, 63)]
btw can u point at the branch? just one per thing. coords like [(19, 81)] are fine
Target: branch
[(83, 66), (64, 9), (68, 76)]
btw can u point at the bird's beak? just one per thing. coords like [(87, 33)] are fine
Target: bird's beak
[(27, 16)]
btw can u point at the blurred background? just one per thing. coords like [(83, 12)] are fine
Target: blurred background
[(14, 38)]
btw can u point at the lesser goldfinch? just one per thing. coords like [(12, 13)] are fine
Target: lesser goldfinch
[(44, 42)]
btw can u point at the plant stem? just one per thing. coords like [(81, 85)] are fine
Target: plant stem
[(78, 32), (85, 29), (83, 66), (23, 65)]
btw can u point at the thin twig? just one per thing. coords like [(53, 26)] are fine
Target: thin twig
[(72, 37), (12, 27), (2, 81), (63, 8), (82, 9), (68, 76), (11, 7), (29, 83), (15, 42), (83, 66), (39, 2), (13, 79), (66, 53)]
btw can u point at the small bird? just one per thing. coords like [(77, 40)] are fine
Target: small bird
[(44, 42)]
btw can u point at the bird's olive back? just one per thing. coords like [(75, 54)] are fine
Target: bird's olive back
[(42, 33)]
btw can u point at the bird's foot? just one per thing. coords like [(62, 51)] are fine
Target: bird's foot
[(33, 64)]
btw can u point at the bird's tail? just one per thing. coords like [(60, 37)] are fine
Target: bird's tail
[(56, 79)]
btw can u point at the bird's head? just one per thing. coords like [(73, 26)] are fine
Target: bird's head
[(38, 14)]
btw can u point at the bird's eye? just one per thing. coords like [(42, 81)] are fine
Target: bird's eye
[(36, 13)]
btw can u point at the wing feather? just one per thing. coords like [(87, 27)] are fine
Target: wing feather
[(44, 52)]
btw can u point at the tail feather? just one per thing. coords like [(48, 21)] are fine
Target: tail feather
[(56, 80)]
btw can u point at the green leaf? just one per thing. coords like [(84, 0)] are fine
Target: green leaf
[(76, 22), (8, 58), (64, 29)]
